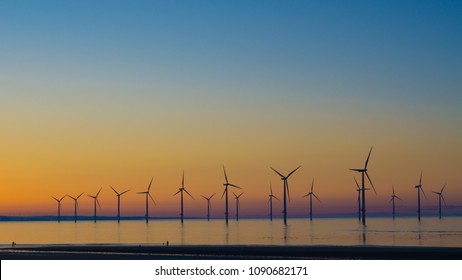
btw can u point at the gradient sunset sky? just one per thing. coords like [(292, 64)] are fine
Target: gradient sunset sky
[(100, 93)]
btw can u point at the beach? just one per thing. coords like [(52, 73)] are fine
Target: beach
[(237, 252)]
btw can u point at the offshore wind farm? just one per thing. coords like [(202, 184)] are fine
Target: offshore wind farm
[(231, 123)]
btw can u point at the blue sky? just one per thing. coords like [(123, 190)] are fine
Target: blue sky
[(84, 84)]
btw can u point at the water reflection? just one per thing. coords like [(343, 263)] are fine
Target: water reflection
[(399, 232)]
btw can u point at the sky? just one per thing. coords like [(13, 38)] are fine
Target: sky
[(113, 93)]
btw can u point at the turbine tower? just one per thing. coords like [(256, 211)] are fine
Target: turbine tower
[(237, 204), (227, 184), (118, 202), (286, 190), (59, 206), (440, 196), (419, 189), (148, 194), (209, 206), (393, 196), (363, 172), (95, 201), (75, 205), (180, 191), (311, 194), (270, 201)]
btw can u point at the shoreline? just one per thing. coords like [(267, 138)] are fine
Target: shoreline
[(232, 252)]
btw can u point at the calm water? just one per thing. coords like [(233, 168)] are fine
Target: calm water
[(344, 231)]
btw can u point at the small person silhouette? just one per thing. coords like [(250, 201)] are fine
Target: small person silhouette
[(167, 242)]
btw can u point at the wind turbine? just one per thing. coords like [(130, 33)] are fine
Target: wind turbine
[(419, 189), (59, 206), (363, 172), (393, 196), (95, 200), (237, 204), (270, 201), (209, 206), (227, 184), (286, 190), (148, 194), (118, 202), (311, 194), (181, 190), (440, 196), (75, 205)]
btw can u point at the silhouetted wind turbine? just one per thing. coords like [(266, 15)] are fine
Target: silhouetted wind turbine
[(118, 202), (440, 196), (148, 194), (393, 196), (419, 188), (270, 201), (363, 172), (209, 206), (358, 189), (95, 201), (227, 184), (311, 194), (286, 190), (75, 205), (181, 190), (59, 206), (237, 204)]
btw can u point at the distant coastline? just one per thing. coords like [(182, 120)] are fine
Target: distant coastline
[(138, 218)]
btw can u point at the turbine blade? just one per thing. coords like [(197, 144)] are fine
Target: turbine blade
[(356, 183), (312, 185), (176, 193), (125, 192), (204, 197), (442, 197), (356, 169), (443, 189), (306, 195), (271, 189), (420, 181), (391, 199), (79, 196), (393, 189), (62, 197), (99, 191), (55, 198), (275, 197), (282, 176), (293, 171), (188, 193), (97, 201), (114, 190), (367, 160), (398, 197), (182, 181), (212, 196), (370, 181), (234, 186), (240, 195), (316, 197), (234, 194), (150, 183), (224, 171), (287, 186), (153, 201), (423, 192), (224, 191)]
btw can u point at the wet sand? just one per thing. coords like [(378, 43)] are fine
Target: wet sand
[(156, 252)]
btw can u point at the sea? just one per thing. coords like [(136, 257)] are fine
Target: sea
[(403, 231)]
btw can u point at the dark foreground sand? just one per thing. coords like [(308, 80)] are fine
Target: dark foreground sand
[(156, 252)]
